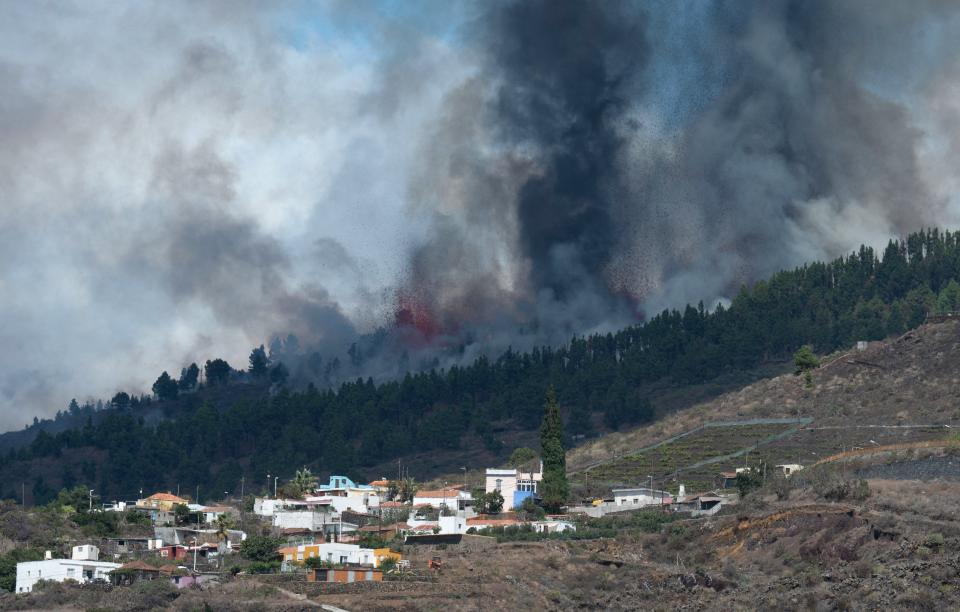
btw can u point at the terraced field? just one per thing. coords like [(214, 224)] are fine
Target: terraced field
[(691, 459)]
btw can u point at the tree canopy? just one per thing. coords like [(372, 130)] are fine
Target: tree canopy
[(554, 488), (601, 383)]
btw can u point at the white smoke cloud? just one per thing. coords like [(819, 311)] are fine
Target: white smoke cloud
[(167, 170)]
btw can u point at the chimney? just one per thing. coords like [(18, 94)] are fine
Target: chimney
[(47, 555), (682, 492)]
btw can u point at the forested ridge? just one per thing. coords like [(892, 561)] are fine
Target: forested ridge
[(863, 296)]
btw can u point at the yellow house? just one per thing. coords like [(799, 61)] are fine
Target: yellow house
[(382, 554), (161, 501), (335, 552)]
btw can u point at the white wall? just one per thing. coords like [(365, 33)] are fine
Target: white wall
[(265, 506), (452, 501), (508, 484), (452, 524), (59, 570), (644, 497), (301, 519), (336, 552), (340, 504)]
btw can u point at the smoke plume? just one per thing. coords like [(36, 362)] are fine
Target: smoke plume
[(428, 182)]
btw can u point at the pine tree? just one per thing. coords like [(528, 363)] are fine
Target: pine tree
[(165, 387), (555, 488), (259, 362)]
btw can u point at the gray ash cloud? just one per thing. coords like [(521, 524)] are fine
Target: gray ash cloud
[(181, 181)]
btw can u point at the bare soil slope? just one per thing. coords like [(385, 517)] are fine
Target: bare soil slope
[(899, 390)]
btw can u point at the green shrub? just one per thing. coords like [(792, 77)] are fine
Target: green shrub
[(260, 548), (264, 567), (860, 490), (934, 540)]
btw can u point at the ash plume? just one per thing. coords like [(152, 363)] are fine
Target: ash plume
[(203, 176)]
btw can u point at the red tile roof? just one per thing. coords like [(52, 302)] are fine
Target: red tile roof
[(379, 483), (139, 565), (478, 522), (391, 504), (425, 527), (439, 493)]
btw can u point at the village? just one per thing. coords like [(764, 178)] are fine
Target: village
[(340, 531)]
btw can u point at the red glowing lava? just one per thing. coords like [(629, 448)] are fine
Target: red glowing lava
[(415, 315)]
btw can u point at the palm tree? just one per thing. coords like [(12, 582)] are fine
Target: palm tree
[(223, 524), (304, 481), (407, 489)]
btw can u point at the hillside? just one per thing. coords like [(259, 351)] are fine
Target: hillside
[(895, 391), (472, 414)]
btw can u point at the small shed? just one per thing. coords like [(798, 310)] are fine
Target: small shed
[(727, 480)]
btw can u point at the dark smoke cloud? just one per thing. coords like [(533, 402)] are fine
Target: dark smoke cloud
[(647, 155)]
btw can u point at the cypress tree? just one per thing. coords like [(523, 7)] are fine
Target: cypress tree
[(555, 488)]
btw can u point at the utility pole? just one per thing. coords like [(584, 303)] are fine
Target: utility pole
[(196, 500), (464, 468), (90, 506), (275, 479), (268, 485), (241, 493)]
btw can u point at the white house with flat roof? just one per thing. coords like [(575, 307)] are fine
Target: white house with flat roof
[(514, 485), (641, 496), (453, 499), (82, 566)]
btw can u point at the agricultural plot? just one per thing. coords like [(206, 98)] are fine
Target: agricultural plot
[(689, 459)]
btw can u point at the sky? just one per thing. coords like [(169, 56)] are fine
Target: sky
[(181, 181)]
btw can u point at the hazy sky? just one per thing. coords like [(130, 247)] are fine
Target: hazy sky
[(181, 180)]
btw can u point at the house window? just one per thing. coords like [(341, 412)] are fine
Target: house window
[(499, 484), (289, 556), (299, 556), (313, 554)]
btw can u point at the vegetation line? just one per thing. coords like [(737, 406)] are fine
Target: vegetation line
[(701, 427)]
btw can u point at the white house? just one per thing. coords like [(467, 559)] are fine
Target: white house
[(361, 504), (302, 519), (264, 506), (790, 468), (211, 513), (82, 566), (641, 496), (454, 499), (363, 496), (452, 524), (331, 552), (514, 485), (553, 526)]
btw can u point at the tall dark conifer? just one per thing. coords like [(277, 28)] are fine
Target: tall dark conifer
[(555, 488)]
